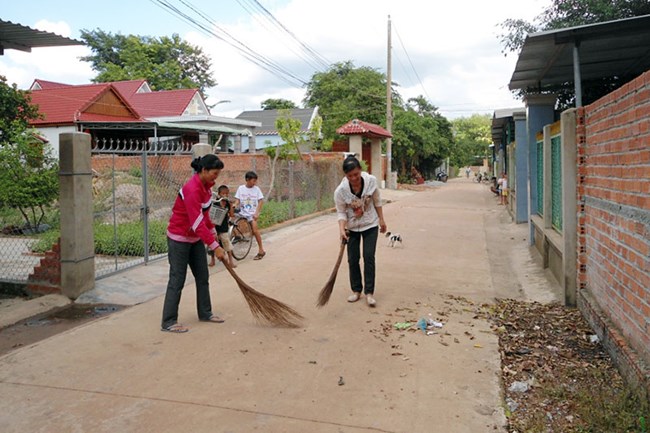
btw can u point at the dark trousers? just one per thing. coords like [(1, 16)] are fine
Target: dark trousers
[(180, 255), (354, 255)]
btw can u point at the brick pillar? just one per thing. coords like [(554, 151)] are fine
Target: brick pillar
[(46, 278), (76, 202)]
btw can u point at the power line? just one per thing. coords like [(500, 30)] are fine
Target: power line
[(257, 17), (411, 63), (247, 52), (312, 52)]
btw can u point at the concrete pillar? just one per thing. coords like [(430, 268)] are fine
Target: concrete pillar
[(520, 181), (76, 203), (548, 180), (540, 111), (237, 145), (569, 205), (375, 159), (203, 138), (200, 149), (356, 146), (252, 147)]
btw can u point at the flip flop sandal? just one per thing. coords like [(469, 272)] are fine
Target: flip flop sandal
[(259, 256), (214, 319), (176, 328)]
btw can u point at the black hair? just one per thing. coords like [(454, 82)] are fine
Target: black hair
[(251, 175), (207, 162), (222, 187), (350, 163)]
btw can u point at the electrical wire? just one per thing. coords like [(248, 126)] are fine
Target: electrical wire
[(321, 60), (247, 52)]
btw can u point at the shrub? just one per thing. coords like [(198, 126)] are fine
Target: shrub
[(129, 240)]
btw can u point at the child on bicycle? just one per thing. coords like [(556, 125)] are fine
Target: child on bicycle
[(223, 200), (250, 202)]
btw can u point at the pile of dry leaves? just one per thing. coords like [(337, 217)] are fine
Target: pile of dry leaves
[(556, 375)]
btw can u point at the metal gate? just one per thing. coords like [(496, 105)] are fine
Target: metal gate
[(135, 183)]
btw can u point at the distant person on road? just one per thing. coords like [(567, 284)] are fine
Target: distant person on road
[(223, 201), (188, 230), (504, 189), (468, 171), (360, 216), (494, 187), (251, 200)]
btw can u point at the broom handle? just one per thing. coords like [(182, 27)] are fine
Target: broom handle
[(338, 261), (232, 273)]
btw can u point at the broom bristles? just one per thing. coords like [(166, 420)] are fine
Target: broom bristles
[(265, 308), (326, 291)]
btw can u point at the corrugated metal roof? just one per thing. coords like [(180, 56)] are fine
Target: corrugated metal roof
[(618, 48), (267, 119), (23, 38)]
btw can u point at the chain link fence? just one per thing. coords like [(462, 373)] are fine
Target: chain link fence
[(134, 188), (29, 209)]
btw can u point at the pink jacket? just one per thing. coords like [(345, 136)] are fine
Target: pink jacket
[(190, 220)]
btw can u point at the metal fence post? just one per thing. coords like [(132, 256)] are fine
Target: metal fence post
[(292, 196)]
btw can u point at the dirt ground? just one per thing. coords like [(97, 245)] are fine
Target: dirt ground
[(440, 352), (42, 326)]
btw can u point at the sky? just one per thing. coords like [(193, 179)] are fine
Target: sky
[(448, 51)]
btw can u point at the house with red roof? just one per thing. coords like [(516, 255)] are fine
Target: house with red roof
[(64, 107), (130, 110)]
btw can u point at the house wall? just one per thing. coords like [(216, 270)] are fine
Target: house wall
[(52, 135), (613, 187)]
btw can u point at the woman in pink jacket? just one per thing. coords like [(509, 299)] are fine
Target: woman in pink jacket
[(188, 231)]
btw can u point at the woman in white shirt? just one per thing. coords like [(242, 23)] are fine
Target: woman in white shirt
[(360, 216)]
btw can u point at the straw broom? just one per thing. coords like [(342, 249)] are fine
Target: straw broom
[(326, 291), (265, 308)]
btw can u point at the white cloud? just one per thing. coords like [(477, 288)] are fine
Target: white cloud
[(452, 45)]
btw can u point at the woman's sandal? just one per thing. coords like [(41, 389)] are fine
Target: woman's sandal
[(176, 328), (214, 319), (259, 256)]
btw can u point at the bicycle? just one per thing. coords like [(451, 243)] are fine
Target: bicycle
[(240, 231)]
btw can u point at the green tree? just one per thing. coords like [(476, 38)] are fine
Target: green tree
[(16, 111), (167, 63), (568, 13), (277, 104), (472, 136), (29, 178), (422, 137), (345, 92)]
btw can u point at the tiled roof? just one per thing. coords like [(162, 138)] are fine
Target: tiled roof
[(162, 103), (267, 119), (44, 84), (359, 127), (128, 88), (65, 105)]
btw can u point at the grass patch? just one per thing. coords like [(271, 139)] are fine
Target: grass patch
[(275, 212), (128, 242)]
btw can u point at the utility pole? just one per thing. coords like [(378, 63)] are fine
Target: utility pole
[(389, 112)]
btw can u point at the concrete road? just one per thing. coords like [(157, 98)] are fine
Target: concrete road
[(348, 369)]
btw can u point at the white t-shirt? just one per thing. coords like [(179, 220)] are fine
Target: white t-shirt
[(249, 199)]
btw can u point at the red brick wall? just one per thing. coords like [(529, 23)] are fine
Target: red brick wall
[(233, 175), (613, 137)]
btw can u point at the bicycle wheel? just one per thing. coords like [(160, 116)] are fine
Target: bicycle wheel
[(241, 238)]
